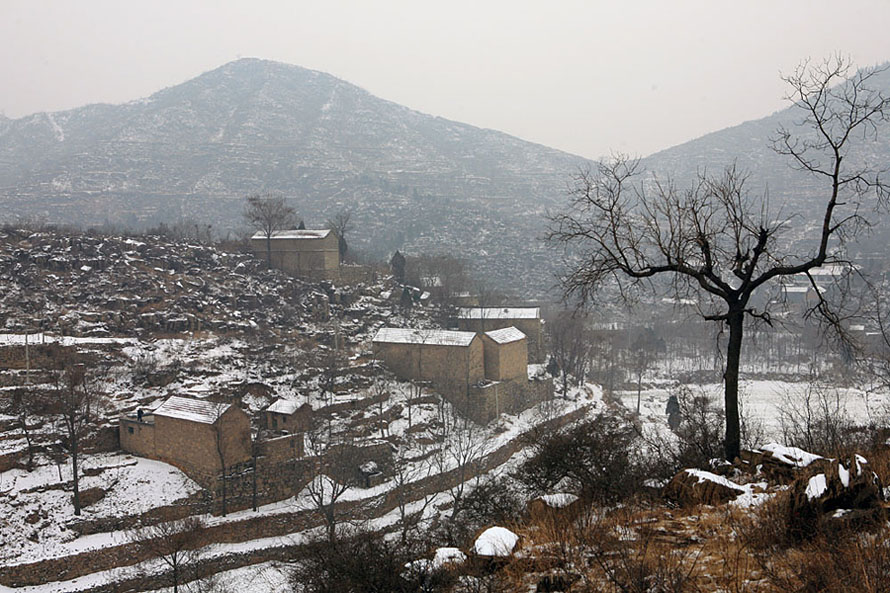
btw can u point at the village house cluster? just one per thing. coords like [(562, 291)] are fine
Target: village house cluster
[(482, 373)]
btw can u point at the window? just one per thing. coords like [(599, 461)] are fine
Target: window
[(130, 429)]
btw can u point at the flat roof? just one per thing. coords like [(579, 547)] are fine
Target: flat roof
[(435, 337), (499, 313), (196, 410), (506, 335), (296, 234)]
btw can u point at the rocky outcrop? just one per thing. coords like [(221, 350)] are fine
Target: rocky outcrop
[(693, 486)]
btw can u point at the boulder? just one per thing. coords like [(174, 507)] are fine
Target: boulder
[(847, 491), (694, 486)]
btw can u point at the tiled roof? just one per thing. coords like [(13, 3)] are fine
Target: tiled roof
[(436, 337), (196, 410), (282, 406), (296, 234), (506, 335)]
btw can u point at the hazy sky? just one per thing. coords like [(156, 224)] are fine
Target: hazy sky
[(586, 77)]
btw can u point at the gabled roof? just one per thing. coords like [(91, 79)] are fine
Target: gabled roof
[(435, 337), (282, 406), (506, 335), (499, 313), (195, 410), (296, 234)]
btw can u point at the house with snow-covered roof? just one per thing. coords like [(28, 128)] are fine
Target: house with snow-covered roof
[(284, 415), (302, 252), (525, 319), (195, 435), (505, 352), (450, 359)]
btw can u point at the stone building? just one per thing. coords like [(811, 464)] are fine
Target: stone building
[(525, 319), (303, 252), (505, 352), (451, 360), (285, 415), (190, 434)]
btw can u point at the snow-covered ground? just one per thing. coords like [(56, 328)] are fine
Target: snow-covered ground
[(36, 510), (765, 402)]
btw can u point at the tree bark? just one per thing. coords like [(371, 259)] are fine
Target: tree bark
[(76, 481), (732, 444)]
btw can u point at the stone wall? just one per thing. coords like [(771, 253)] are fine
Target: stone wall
[(42, 356), (483, 403), (454, 367)]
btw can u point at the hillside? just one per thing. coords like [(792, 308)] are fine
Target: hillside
[(415, 182)]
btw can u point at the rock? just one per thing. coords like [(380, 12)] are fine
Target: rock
[(693, 486), (91, 496)]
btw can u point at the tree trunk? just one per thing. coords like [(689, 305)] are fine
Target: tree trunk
[(269, 249), (732, 444), (76, 481)]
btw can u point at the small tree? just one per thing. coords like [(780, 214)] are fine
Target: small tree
[(715, 242), (25, 405), (266, 214), (341, 225), (176, 543), (76, 403)]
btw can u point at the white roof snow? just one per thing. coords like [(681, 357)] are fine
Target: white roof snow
[(505, 335), (499, 313), (196, 410), (435, 337), (495, 542), (282, 406), (296, 234)]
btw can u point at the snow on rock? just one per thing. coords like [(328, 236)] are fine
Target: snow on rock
[(495, 542), (446, 556), (790, 455), (816, 486), (559, 500), (693, 486)]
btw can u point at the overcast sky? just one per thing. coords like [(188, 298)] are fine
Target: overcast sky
[(586, 77)]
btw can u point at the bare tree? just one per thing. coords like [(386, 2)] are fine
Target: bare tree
[(407, 472), (219, 438), (27, 406), (77, 403), (176, 543), (714, 241), (268, 213), (463, 448), (333, 474), (569, 349), (341, 225)]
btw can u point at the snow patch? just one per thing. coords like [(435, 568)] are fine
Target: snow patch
[(495, 542)]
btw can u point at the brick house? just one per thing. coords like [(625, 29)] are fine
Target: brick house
[(305, 252), (190, 433), (452, 360), (525, 319), (505, 352)]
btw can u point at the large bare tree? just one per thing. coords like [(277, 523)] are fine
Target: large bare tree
[(266, 214), (77, 403), (714, 240)]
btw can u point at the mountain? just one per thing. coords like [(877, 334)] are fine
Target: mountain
[(414, 182), (748, 146)]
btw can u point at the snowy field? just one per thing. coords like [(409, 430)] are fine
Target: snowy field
[(765, 402)]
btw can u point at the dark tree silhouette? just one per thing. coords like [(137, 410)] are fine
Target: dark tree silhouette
[(716, 242), (266, 214)]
